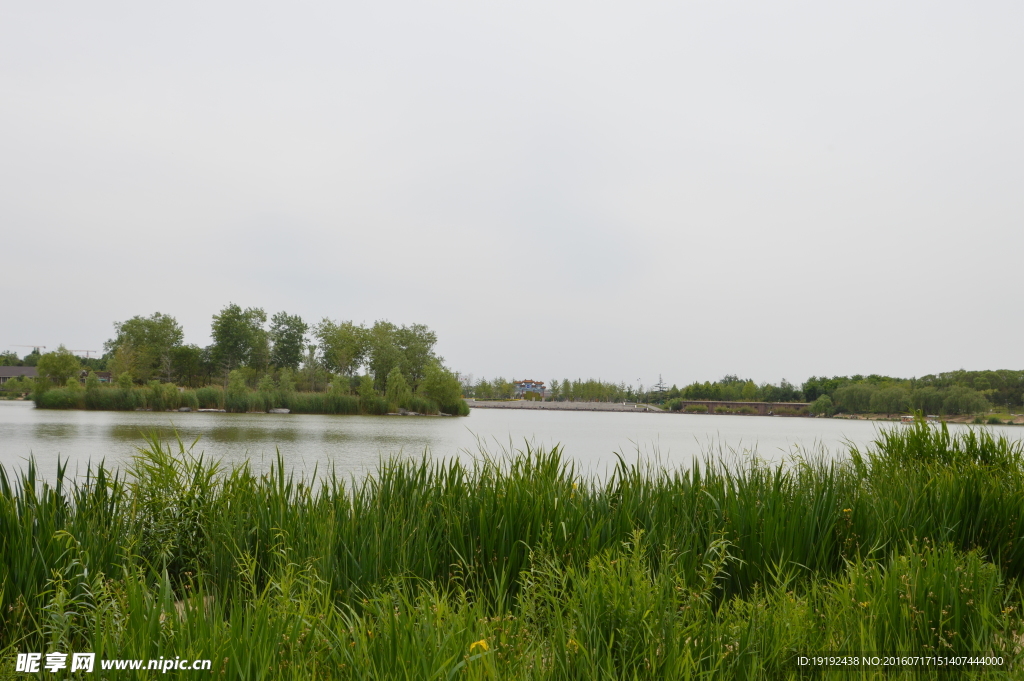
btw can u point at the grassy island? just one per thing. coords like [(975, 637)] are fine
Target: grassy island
[(519, 568)]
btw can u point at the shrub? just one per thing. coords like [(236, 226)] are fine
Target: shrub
[(61, 398), (210, 397), (696, 409), (823, 406)]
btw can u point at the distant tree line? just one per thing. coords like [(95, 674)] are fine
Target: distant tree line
[(950, 393), (564, 390), (278, 354)]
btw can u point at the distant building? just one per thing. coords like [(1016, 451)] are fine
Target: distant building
[(529, 386), (7, 373), (103, 376)]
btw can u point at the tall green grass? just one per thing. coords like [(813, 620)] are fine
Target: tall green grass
[(163, 397), (519, 567)]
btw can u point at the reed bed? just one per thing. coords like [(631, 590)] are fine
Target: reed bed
[(167, 397), (518, 567)]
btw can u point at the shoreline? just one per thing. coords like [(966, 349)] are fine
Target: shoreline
[(631, 407), (565, 406)]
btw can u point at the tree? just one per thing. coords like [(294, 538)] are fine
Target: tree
[(288, 335), (343, 346), (148, 342), (397, 393), (854, 398), (237, 336), (59, 366), (9, 359), (442, 386), (417, 344), (962, 400), (124, 361), (410, 348), (286, 381), (383, 353), (366, 391), (928, 400), (822, 405), (890, 401), (187, 364), (312, 373)]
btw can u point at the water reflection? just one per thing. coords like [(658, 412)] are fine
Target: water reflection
[(354, 444), (250, 434), (55, 431)]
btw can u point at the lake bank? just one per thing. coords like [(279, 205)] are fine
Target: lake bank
[(736, 409)]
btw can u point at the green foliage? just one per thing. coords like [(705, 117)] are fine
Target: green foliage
[(517, 567), (957, 392), (963, 400), (210, 397), (397, 392), (366, 390), (9, 358), (59, 366), (60, 398), (124, 381), (443, 387), (18, 386), (923, 443), (890, 401), (286, 381), (188, 365), (927, 400), (239, 338), (267, 384), (734, 389), (343, 345), (237, 397), (822, 405), (144, 345), (855, 398), (287, 333), (92, 381)]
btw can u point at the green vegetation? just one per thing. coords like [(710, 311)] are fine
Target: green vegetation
[(591, 390), (439, 396), (254, 366), (520, 568), (953, 393)]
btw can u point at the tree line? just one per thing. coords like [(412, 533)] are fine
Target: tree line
[(950, 393), (561, 390), (252, 351)]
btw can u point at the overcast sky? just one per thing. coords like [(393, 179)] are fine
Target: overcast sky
[(577, 189)]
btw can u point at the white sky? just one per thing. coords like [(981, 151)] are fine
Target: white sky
[(576, 189)]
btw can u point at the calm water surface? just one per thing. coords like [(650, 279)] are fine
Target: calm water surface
[(354, 444)]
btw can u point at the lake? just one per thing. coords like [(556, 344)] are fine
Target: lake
[(354, 444)]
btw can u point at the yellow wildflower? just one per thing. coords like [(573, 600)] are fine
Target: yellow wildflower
[(481, 644)]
